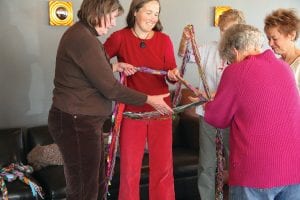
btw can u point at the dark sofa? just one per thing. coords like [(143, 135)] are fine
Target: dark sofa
[(12, 150), (51, 178)]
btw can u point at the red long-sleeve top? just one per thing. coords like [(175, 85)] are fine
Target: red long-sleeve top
[(158, 54)]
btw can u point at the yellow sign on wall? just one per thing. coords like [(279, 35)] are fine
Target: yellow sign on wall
[(60, 13), (218, 11)]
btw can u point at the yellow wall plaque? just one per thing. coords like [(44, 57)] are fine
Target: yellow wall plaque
[(218, 11), (60, 13)]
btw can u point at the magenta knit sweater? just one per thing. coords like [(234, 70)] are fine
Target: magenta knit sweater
[(258, 98)]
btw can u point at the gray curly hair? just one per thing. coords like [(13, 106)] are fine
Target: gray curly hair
[(241, 37)]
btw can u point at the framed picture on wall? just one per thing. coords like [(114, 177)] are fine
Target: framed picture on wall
[(218, 11), (60, 13)]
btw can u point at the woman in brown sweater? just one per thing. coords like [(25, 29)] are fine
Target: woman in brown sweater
[(82, 98)]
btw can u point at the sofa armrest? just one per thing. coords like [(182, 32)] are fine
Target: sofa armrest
[(11, 146), (38, 135)]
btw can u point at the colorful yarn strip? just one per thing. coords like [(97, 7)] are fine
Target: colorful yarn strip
[(151, 71), (155, 114), (115, 130), (14, 171), (189, 86), (220, 165), (3, 188), (117, 120), (114, 135), (177, 94), (219, 137), (198, 62)]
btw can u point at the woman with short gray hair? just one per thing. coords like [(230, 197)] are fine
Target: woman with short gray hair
[(259, 99), (241, 39)]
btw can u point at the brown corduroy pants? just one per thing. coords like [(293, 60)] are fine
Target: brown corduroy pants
[(79, 138)]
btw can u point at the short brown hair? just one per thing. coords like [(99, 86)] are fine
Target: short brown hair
[(286, 20), (134, 7), (91, 11), (231, 15)]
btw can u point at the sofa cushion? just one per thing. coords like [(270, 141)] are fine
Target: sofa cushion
[(11, 146), (19, 190), (185, 162), (42, 156), (38, 136), (52, 179)]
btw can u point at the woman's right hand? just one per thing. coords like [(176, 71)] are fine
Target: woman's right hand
[(158, 103), (126, 68)]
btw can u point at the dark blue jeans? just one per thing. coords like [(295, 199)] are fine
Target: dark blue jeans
[(79, 138)]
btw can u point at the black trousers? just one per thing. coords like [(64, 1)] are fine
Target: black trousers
[(80, 140)]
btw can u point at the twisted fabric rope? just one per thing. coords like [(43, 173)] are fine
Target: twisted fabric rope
[(14, 171), (114, 134), (219, 136), (153, 114), (151, 71), (117, 117), (189, 86), (3, 188), (177, 94)]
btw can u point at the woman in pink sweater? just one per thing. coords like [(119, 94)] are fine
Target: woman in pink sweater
[(258, 98)]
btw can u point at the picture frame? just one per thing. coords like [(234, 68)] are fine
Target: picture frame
[(218, 11), (60, 13)]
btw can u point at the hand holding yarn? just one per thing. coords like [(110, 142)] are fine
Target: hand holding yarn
[(126, 68)]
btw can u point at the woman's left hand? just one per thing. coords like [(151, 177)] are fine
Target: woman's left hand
[(172, 74), (126, 68)]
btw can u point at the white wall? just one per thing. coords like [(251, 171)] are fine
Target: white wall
[(201, 15), (28, 47)]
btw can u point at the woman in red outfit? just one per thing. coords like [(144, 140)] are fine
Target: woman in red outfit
[(142, 44)]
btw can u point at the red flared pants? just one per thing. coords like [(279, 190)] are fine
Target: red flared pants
[(133, 137)]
